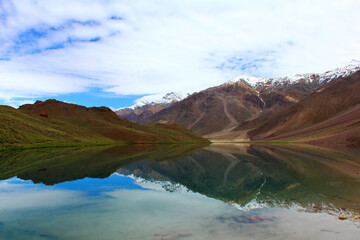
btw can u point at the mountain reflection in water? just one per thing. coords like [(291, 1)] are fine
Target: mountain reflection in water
[(247, 176), (264, 176), (180, 192)]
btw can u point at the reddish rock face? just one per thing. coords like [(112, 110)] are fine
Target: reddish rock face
[(142, 113), (213, 109), (223, 108)]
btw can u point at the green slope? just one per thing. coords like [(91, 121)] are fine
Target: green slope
[(22, 129)]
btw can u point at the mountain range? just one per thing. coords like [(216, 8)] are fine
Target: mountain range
[(304, 107), (315, 108)]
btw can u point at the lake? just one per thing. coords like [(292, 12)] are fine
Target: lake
[(221, 191)]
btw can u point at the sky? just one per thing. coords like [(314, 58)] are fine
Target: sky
[(112, 53)]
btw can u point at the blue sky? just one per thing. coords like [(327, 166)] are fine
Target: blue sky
[(92, 186), (111, 53)]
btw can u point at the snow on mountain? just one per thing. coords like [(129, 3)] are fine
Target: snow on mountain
[(351, 68), (325, 77), (255, 82), (249, 79), (160, 98)]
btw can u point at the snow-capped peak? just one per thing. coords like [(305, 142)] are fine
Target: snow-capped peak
[(350, 68), (249, 79), (159, 98), (325, 77), (173, 97)]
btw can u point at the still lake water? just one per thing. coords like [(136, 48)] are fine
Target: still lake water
[(180, 192)]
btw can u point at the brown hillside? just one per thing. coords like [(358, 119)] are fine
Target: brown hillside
[(335, 98), (213, 109), (215, 112), (141, 114), (278, 97)]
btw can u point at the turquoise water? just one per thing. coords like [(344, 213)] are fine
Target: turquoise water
[(167, 192)]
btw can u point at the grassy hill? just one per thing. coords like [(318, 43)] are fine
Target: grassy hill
[(55, 123)]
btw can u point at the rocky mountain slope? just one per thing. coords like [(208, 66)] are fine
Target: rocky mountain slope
[(216, 111), (332, 113), (213, 109), (55, 123)]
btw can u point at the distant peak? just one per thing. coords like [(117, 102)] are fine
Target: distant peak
[(350, 68), (160, 98), (247, 78), (354, 62), (172, 97)]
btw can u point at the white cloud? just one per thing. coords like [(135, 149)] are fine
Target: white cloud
[(162, 46), (12, 196)]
